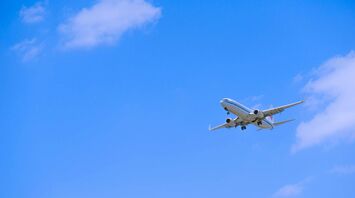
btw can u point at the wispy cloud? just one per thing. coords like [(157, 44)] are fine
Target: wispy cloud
[(33, 14), (28, 49), (343, 170), (291, 190), (298, 78), (106, 21), (332, 90)]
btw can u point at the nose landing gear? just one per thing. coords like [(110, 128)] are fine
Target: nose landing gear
[(225, 108)]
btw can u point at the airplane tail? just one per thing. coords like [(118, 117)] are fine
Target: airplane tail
[(282, 122), (271, 118)]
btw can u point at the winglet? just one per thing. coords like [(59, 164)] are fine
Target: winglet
[(301, 101), (296, 103)]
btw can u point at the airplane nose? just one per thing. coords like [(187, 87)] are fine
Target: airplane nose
[(223, 100)]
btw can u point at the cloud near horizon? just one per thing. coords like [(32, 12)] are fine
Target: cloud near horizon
[(105, 22), (332, 91)]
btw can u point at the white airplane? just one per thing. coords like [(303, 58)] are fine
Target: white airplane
[(246, 116)]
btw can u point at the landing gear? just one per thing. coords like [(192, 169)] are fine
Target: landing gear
[(225, 108), (259, 123), (243, 128)]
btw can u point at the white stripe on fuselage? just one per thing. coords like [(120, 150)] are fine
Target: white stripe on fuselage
[(243, 112)]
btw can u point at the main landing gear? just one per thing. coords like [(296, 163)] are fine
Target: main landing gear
[(259, 123), (243, 128)]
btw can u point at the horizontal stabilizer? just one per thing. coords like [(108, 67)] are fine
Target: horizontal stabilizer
[(225, 125), (282, 122)]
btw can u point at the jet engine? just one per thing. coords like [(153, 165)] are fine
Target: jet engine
[(230, 122), (258, 114)]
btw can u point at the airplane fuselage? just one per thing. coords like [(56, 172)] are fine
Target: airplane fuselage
[(245, 116), (244, 113)]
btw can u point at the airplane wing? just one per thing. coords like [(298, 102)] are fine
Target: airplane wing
[(225, 125), (280, 109)]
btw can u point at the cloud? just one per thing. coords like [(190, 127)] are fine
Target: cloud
[(298, 78), (332, 92), (343, 170), (28, 49), (106, 21), (33, 14), (291, 190)]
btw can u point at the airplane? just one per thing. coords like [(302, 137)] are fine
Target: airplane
[(246, 116)]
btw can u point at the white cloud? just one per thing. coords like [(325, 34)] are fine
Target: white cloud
[(332, 91), (33, 14), (28, 49), (292, 190), (106, 21), (298, 78), (344, 170)]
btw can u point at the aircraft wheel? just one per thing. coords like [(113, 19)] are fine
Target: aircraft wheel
[(225, 108)]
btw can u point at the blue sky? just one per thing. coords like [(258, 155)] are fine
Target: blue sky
[(112, 98)]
